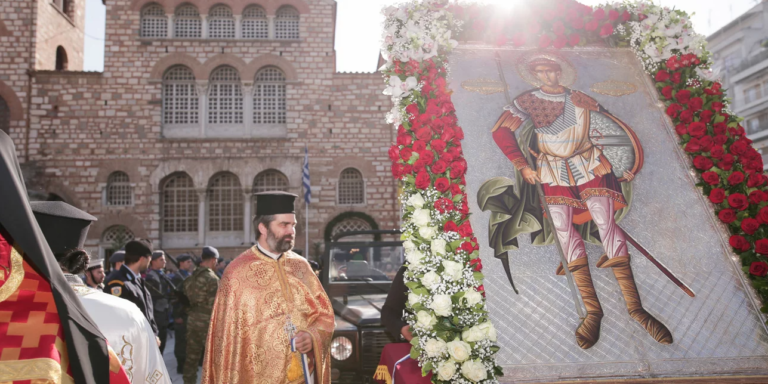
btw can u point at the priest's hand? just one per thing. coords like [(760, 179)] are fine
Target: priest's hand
[(303, 342), (406, 331)]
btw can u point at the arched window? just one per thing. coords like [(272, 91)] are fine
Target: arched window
[(187, 23), (225, 203), (352, 224), (221, 23), (154, 23), (5, 116), (61, 59), (269, 96), (67, 8), (255, 23), (180, 204), (114, 238), (119, 191), (225, 97), (287, 23), (351, 187), (179, 96)]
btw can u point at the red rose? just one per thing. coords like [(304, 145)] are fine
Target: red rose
[(758, 268), (625, 16), (739, 147), (406, 153), (466, 247), (762, 214), (683, 96), (443, 205), (702, 163), (424, 134), (598, 14), (458, 168), (720, 140), (717, 195), (560, 42), (706, 143), (711, 178), (419, 146), (667, 91), (476, 264), (676, 77), (738, 201), (404, 139), (442, 184), (681, 129), (606, 30), (613, 15), (749, 225), (465, 229), (544, 41), (717, 152), (573, 39), (422, 180), (439, 167), (739, 243), (761, 247), (717, 106), (697, 129), (673, 109), (695, 104), (705, 116), (438, 145), (662, 75), (756, 197), (450, 226), (735, 178), (481, 289), (719, 128), (426, 157), (686, 116), (727, 216), (397, 171), (394, 153), (455, 189), (592, 25), (755, 180)]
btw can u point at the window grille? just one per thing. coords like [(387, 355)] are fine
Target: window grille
[(255, 23), (269, 180), (225, 203), (187, 23), (287, 23), (180, 204), (5, 116), (154, 23), (119, 191), (116, 237), (225, 97), (351, 187), (179, 97), (351, 225), (221, 23), (269, 97)]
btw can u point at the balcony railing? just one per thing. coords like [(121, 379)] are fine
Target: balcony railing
[(749, 62)]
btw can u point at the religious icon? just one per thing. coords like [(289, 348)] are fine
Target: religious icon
[(568, 149)]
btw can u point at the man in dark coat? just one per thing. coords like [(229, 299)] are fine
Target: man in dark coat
[(30, 257), (392, 311), (127, 283), (160, 288), (180, 312)]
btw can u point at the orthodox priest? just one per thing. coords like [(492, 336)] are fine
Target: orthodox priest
[(49, 336), (267, 296), (545, 133)]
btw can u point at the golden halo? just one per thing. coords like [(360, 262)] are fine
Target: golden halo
[(567, 78)]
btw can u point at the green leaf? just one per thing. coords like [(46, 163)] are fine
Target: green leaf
[(478, 276), (412, 285), (415, 352)]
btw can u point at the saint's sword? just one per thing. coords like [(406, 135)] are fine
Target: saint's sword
[(564, 260)]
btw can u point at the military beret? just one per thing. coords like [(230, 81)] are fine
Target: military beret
[(117, 257), (139, 247), (183, 258), (209, 253), (158, 254)]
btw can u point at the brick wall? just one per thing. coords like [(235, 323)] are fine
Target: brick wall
[(56, 27)]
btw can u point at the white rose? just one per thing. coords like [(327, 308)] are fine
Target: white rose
[(446, 370), (416, 200), (427, 233), (474, 370), (453, 270), (459, 350), (488, 329), (473, 334), (409, 245), (413, 299), (438, 246), (442, 305), (473, 297), (431, 280), (414, 257), (421, 217), (435, 347), (425, 320)]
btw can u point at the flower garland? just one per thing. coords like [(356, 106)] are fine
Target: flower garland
[(454, 337)]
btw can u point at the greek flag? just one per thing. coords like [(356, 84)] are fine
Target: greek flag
[(305, 177)]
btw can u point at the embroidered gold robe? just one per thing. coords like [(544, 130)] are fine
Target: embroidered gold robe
[(247, 341)]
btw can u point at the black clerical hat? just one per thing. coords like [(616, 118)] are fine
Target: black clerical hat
[(64, 226), (274, 203), (139, 247)]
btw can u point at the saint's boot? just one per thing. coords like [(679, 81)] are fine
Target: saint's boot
[(623, 272), (588, 331)]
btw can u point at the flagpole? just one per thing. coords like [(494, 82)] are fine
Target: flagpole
[(307, 193), (306, 229)]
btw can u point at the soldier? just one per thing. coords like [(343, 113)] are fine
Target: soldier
[(127, 283), (160, 288), (116, 260), (201, 289), (94, 275), (180, 312)]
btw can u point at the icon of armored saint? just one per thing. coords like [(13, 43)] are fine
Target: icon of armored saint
[(585, 159)]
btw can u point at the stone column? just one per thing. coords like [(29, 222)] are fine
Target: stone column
[(271, 21), (202, 111), (201, 197), (170, 25), (248, 108), (238, 27), (204, 32), (247, 193)]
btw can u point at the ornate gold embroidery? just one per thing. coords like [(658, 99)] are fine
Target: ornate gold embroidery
[(17, 274), (154, 377), (126, 358), (32, 369), (262, 273)]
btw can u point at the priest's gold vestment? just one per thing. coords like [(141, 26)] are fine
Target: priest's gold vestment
[(247, 341)]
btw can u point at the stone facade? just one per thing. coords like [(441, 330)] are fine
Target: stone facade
[(96, 137)]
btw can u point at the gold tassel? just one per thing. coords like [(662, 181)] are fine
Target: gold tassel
[(382, 373), (295, 370)]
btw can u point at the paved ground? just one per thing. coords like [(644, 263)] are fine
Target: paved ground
[(170, 361)]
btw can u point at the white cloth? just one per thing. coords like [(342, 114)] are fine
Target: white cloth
[(268, 253), (128, 333)]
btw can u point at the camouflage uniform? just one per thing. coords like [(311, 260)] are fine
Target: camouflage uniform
[(180, 328), (159, 287), (200, 288)]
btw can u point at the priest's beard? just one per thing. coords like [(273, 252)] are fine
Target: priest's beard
[(281, 245)]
